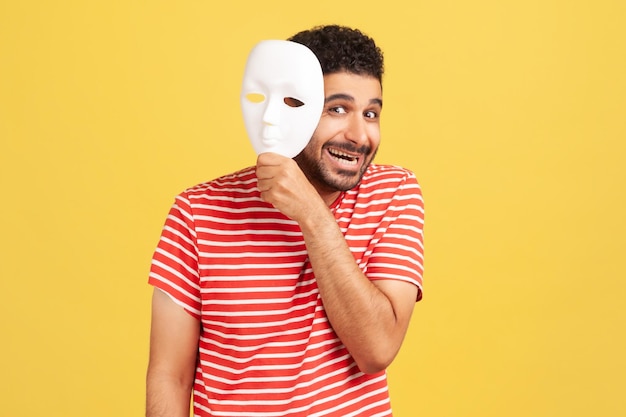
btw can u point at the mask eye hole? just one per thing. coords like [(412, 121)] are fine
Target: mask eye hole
[(293, 102), (255, 97)]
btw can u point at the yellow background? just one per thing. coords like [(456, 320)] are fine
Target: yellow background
[(512, 114)]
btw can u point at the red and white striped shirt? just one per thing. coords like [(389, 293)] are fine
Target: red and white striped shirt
[(240, 266)]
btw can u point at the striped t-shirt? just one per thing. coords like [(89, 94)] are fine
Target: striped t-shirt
[(240, 266)]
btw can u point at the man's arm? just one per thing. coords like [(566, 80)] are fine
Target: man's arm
[(370, 317), (173, 351)]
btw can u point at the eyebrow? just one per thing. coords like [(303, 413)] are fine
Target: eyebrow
[(347, 97)]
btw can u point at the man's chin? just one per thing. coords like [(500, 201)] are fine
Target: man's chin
[(344, 180)]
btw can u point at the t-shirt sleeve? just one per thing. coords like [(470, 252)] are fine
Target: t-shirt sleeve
[(399, 254), (174, 268)]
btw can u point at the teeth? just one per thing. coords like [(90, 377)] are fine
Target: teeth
[(344, 157)]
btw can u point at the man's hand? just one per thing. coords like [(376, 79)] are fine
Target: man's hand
[(283, 184)]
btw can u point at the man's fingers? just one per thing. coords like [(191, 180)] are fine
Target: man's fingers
[(270, 158), (264, 172)]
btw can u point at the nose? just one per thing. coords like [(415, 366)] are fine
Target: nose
[(356, 130), (271, 115)]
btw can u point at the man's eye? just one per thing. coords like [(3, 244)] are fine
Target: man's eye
[(371, 114), (337, 109)]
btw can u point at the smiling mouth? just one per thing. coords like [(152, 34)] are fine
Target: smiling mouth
[(343, 157)]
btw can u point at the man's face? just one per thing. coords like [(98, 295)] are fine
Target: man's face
[(348, 134), (282, 97)]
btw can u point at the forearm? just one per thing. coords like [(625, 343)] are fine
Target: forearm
[(167, 396), (360, 313)]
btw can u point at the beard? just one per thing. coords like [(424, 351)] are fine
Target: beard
[(327, 179)]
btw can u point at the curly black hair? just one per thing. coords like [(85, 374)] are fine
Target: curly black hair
[(340, 48)]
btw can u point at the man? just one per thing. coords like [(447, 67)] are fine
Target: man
[(286, 289)]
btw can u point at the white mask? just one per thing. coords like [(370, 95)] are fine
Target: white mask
[(277, 72)]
